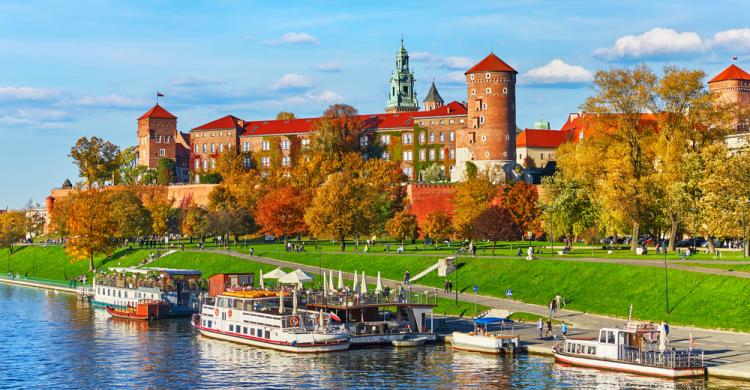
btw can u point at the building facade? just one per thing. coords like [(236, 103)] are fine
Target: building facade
[(159, 138), (401, 96), (732, 85)]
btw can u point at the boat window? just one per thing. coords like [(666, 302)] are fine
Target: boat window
[(244, 330), (602, 336), (610, 337), (252, 331), (231, 328), (592, 350), (238, 304), (119, 294), (126, 294), (248, 305), (268, 334), (260, 332), (621, 338), (209, 323)]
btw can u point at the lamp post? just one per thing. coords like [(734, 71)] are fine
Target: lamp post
[(455, 280)]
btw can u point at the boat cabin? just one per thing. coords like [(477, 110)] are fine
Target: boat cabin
[(219, 283)]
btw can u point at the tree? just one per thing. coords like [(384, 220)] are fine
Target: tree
[(569, 209), (341, 130), (97, 160), (91, 226), (520, 200), (496, 224), (130, 216), (165, 172), (12, 229), (130, 172), (434, 173), (59, 215), (472, 197), (339, 208), (438, 226), (285, 115), (281, 212), (158, 204), (403, 226), (35, 220), (194, 221)]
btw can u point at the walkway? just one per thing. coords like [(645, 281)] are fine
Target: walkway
[(727, 353)]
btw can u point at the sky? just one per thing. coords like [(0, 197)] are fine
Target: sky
[(75, 69)]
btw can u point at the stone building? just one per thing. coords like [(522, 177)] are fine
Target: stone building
[(159, 138), (732, 85), (401, 94)]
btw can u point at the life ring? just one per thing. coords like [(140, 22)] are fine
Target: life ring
[(294, 321), (216, 312), (230, 313)]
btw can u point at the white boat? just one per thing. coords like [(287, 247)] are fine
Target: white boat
[(124, 288), (486, 341), (410, 342), (261, 319), (637, 349)]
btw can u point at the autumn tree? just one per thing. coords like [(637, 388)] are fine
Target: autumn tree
[(130, 216), (520, 200), (281, 212), (97, 160), (496, 224), (472, 197), (59, 215), (12, 229), (341, 130), (158, 204), (90, 226), (285, 115), (194, 221), (438, 226), (403, 226)]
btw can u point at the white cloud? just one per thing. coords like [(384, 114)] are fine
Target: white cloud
[(293, 38), (292, 81), (557, 72), (38, 118), (110, 101), (29, 94), (450, 62), (732, 40), (453, 78), (329, 67), (656, 42), (326, 97), (195, 81)]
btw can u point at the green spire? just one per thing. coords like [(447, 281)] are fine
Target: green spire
[(401, 95)]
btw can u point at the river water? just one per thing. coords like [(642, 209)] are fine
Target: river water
[(55, 340)]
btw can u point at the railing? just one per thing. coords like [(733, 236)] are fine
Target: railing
[(666, 359), (351, 299)]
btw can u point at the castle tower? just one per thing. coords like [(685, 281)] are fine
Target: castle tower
[(401, 96), (157, 136), (732, 86), (433, 99), (489, 139)]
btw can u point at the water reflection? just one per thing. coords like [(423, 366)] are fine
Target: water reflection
[(55, 340)]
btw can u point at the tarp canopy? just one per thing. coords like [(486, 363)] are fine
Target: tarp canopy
[(491, 320), (296, 277), (275, 274)]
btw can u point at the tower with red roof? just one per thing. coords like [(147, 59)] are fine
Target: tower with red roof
[(489, 139), (158, 138), (732, 86)]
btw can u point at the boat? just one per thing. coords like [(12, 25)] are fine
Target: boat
[(122, 289), (410, 342), (636, 348), (377, 320), (144, 310), (268, 319), (486, 341)]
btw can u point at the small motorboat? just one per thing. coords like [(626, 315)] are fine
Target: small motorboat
[(486, 341), (409, 342), (145, 310)]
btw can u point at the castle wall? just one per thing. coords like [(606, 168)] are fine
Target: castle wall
[(426, 198)]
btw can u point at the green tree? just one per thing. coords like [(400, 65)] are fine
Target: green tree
[(130, 216), (97, 160), (285, 115), (434, 174), (129, 172), (165, 172), (569, 209)]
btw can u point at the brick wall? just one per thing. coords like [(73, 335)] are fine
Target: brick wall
[(426, 198)]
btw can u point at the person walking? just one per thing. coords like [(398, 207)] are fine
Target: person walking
[(558, 300), (540, 327), (549, 327), (552, 308), (445, 286), (564, 329), (450, 286), (406, 277)]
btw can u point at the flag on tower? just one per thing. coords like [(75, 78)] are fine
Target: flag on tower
[(734, 58), (159, 94)]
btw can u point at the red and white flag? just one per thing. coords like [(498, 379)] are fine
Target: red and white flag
[(334, 317)]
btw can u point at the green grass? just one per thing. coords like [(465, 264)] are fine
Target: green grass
[(728, 267), (710, 301)]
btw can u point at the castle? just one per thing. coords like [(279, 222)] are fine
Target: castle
[(481, 130)]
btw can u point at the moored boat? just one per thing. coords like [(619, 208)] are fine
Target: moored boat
[(410, 342), (637, 349), (482, 339), (145, 309)]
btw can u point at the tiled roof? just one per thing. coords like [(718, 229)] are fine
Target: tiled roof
[(535, 138), (433, 95), (732, 72), (227, 122), (158, 112), (579, 126), (491, 63)]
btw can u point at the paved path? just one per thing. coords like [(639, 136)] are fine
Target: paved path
[(727, 353)]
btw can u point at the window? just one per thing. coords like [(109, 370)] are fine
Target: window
[(407, 155), (471, 76), (231, 328), (265, 161), (408, 171), (453, 135), (488, 90), (422, 137), (213, 164), (162, 152), (364, 141), (244, 330), (286, 161), (268, 334), (484, 138), (158, 139), (213, 134), (204, 148), (385, 139), (197, 164), (487, 75), (442, 122), (473, 92), (213, 148), (452, 154), (460, 121), (451, 121), (247, 162), (246, 146), (406, 90), (265, 145), (285, 144), (442, 137), (422, 155), (432, 136), (406, 138), (221, 148), (505, 90), (386, 155), (441, 154), (205, 165), (305, 142), (541, 156), (432, 154), (481, 119)]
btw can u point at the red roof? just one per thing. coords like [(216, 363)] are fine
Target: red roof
[(491, 63), (227, 122), (732, 72), (584, 125), (158, 112), (536, 138)]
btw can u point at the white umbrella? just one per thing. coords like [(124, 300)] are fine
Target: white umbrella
[(294, 302), (330, 282), (276, 274), (262, 284), (325, 283), (355, 286), (379, 285), (662, 338), (341, 282), (297, 277), (364, 284), (281, 302)]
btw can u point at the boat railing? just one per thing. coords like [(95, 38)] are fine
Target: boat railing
[(356, 299), (668, 359)]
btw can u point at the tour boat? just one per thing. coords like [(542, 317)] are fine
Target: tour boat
[(486, 341), (145, 309), (261, 319), (637, 349), (122, 289), (368, 320)]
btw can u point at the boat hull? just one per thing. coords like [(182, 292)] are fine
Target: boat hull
[(612, 365), (115, 313), (485, 344), (321, 347)]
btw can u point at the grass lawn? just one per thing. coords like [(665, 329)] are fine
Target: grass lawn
[(709, 301), (728, 267)]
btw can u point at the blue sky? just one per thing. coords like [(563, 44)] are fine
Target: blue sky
[(72, 69)]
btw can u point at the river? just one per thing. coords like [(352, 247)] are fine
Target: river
[(55, 340)]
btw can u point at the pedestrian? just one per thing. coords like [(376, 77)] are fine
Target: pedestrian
[(549, 327), (540, 327), (445, 285), (252, 251), (552, 308), (564, 329), (473, 249), (450, 286), (406, 277), (558, 298)]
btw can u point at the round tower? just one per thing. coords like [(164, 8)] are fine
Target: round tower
[(490, 138)]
